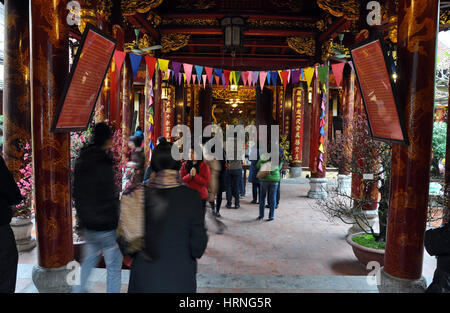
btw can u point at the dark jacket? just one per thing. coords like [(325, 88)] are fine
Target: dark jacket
[(437, 242), (175, 242), (137, 156), (9, 193), (95, 192), (198, 182)]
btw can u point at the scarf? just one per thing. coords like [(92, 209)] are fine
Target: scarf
[(166, 179)]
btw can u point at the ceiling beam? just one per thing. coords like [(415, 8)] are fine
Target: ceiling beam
[(247, 43), (249, 32), (139, 21), (246, 63), (244, 15)]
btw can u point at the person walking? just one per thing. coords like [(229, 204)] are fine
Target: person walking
[(222, 184), (9, 196), (175, 235), (196, 174), (234, 172), (253, 156), (269, 186), (135, 166), (96, 197), (148, 171)]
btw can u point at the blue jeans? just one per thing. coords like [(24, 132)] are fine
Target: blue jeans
[(233, 185), (101, 242), (269, 188)]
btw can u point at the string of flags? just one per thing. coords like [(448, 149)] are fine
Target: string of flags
[(202, 75)]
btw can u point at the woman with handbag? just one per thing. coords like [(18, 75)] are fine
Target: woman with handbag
[(174, 232)]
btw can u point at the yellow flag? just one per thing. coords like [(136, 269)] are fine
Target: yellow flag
[(309, 73), (163, 65), (321, 148), (150, 119)]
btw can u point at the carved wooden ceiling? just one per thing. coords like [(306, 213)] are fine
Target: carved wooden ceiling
[(278, 34)]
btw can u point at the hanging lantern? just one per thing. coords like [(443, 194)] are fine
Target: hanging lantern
[(233, 32)]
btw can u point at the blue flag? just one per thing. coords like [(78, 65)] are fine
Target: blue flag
[(135, 62)]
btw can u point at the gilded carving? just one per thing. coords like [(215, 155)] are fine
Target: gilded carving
[(190, 22), (302, 45), (323, 24), (244, 93), (327, 49), (258, 23), (154, 19), (199, 4), (346, 8), (104, 9), (131, 7), (174, 42), (393, 28), (444, 17), (418, 27), (144, 42), (292, 5), (87, 16)]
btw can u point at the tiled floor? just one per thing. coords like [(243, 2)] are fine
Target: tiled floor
[(298, 244)]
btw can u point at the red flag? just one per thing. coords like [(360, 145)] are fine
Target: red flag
[(285, 75), (217, 78), (245, 77), (227, 77), (151, 63), (338, 71), (208, 71)]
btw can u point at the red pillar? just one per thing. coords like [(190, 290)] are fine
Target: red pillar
[(51, 152), (417, 35)]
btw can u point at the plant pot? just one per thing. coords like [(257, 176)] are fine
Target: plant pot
[(364, 254), (21, 228)]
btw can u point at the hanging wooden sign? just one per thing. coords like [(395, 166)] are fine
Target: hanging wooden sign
[(84, 82), (376, 83)]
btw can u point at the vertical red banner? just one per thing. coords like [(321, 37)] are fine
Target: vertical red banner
[(169, 113), (297, 124)]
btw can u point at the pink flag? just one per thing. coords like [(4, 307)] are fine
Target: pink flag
[(204, 80), (320, 167), (262, 79), (338, 71), (180, 78), (351, 64), (250, 78), (193, 79), (188, 71)]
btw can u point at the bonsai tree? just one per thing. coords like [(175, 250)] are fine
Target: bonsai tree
[(285, 144), (368, 157)]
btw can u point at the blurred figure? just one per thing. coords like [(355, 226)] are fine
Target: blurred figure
[(437, 243), (140, 134), (222, 184), (254, 156), (148, 171), (234, 181), (196, 174), (97, 204), (9, 196), (175, 234), (135, 165), (213, 187)]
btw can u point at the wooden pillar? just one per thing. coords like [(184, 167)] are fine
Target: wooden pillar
[(51, 152), (307, 131), (296, 138), (16, 94), (115, 109), (126, 101), (287, 111), (179, 104), (348, 107), (264, 111), (417, 36), (169, 113)]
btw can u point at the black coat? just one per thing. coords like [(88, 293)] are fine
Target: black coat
[(437, 242), (95, 192), (9, 193), (178, 241)]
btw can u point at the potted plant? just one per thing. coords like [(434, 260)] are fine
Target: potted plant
[(21, 222), (368, 157), (286, 157)]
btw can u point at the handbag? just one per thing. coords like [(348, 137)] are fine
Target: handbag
[(264, 170), (131, 227)]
